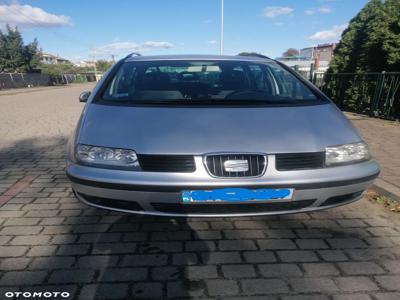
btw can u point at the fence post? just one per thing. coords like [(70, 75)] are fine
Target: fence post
[(378, 93), (12, 80), (312, 68)]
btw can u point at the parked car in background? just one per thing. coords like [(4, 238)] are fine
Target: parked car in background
[(214, 136)]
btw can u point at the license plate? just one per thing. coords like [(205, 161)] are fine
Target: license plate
[(236, 195)]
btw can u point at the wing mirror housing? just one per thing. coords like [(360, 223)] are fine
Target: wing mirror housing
[(84, 96)]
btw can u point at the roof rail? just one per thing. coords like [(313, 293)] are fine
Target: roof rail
[(254, 55), (133, 54), (262, 56)]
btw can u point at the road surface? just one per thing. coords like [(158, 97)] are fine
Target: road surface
[(51, 242)]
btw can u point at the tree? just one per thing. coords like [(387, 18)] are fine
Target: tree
[(351, 54), (14, 49), (3, 52), (31, 56), (392, 45), (103, 65), (371, 43), (14, 55), (291, 52)]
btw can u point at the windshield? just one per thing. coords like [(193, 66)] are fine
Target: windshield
[(193, 82)]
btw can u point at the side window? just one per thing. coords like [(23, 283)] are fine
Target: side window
[(122, 82)]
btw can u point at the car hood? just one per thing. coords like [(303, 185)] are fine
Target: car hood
[(199, 130)]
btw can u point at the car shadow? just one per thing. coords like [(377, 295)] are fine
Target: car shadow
[(153, 258), (33, 156)]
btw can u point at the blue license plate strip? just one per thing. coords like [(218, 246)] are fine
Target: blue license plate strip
[(236, 195)]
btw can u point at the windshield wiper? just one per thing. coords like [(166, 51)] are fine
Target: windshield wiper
[(245, 91), (210, 102), (242, 101)]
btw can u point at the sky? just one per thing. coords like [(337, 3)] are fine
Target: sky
[(82, 30)]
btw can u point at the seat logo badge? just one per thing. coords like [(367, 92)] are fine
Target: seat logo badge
[(236, 165)]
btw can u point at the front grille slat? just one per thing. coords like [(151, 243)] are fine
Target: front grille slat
[(299, 161), (221, 166), (256, 164), (251, 164), (167, 163), (214, 164)]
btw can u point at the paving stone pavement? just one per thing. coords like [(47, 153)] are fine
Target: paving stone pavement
[(383, 138), (51, 242)]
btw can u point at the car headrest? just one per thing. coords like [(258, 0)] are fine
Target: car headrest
[(188, 76), (154, 81), (233, 79)]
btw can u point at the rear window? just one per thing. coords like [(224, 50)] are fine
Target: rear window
[(208, 82)]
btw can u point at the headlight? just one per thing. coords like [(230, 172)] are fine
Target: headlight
[(348, 153), (107, 156)]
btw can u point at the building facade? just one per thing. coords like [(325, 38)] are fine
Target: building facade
[(311, 59), (48, 58), (323, 52)]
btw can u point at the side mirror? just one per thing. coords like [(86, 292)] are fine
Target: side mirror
[(84, 96)]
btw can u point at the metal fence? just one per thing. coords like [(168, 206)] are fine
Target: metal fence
[(20, 80), (375, 94)]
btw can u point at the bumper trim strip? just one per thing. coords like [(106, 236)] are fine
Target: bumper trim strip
[(160, 188)]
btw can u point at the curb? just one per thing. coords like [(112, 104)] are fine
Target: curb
[(386, 189)]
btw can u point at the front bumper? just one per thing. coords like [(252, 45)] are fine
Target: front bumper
[(157, 193)]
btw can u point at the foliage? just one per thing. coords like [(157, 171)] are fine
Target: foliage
[(57, 69), (3, 52), (31, 55), (371, 43), (103, 65), (391, 35), (391, 204), (69, 68), (14, 55), (291, 52), (64, 68)]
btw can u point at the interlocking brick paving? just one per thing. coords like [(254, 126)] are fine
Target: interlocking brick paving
[(51, 242), (383, 138)]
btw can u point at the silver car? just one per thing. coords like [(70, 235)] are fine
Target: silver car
[(214, 136)]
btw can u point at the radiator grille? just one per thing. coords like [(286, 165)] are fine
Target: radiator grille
[(299, 161), (167, 163), (256, 164), (231, 208)]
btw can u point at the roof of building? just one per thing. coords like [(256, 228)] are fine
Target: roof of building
[(45, 54), (328, 45)]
